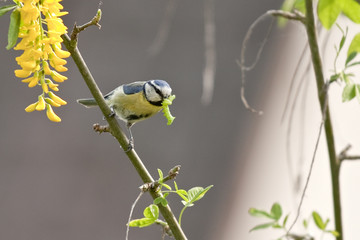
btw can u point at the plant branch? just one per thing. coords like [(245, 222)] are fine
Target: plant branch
[(154, 185), (77, 29), (323, 99), (344, 156), (119, 134), (297, 16)]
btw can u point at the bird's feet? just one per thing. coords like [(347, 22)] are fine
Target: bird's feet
[(112, 114), (130, 146)]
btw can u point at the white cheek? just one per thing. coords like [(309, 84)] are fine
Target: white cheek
[(152, 95)]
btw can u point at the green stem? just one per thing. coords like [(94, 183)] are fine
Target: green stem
[(323, 100), (117, 132), (181, 213)]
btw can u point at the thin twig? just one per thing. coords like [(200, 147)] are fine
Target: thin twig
[(153, 185), (325, 90), (77, 29), (131, 212), (307, 179), (297, 16), (210, 52), (344, 156), (241, 63), (100, 129), (164, 28)]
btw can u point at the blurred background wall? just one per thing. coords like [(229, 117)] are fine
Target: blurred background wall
[(63, 181)]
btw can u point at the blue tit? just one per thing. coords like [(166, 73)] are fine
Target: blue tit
[(135, 101)]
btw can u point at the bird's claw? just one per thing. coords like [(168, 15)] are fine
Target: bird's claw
[(112, 114), (130, 146)]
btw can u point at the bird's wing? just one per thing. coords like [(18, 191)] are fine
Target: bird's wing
[(134, 87)]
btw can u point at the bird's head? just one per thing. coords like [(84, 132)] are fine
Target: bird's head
[(156, 91)]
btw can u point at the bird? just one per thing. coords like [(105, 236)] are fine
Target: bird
[(134, 102)]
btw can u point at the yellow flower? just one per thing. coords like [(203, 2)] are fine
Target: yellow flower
[(56, 98), (41, 104), (40, 32), (31, 107), (51, 115)]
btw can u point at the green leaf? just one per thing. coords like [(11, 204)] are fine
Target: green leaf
[(349, 92), (300, 5), (328, 11), (334, 233), (176, 187), (353, 64), (166, 186), (259, 213), (285, 220), (13, 29), (342, 41), (350, 57), (182, 193), (161, 175), (305, 223), (351, 9), (158, 200), (196, 193), (334, 77), (276, 211), (357, 92), (276, 225), (354, 45), (7, 8), (143, 222), (151, 212), (164, 202), (262, 226), (318, 221)]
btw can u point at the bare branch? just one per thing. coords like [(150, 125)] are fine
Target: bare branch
[(101, 129), (308, 178), (77, 29), (344, 156), (131, 212), (297, 16)]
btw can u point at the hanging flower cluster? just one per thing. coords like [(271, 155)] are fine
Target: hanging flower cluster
[(40, 29)]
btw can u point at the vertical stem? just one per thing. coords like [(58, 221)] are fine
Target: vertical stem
[(323, 100)]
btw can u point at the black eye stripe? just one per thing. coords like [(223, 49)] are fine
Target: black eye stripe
[(156, 89)]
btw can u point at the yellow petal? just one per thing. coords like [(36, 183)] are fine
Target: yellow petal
[(57, 76), (56, 60), (46, 68), (51, 115), (31, 107), (59, 52), (56, 98), (60, 68), (22, 73), (45, 87), (41, 104), (29, 65), (33, 82), (52, 102)]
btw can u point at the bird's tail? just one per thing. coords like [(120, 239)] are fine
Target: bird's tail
[(87, 102)]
